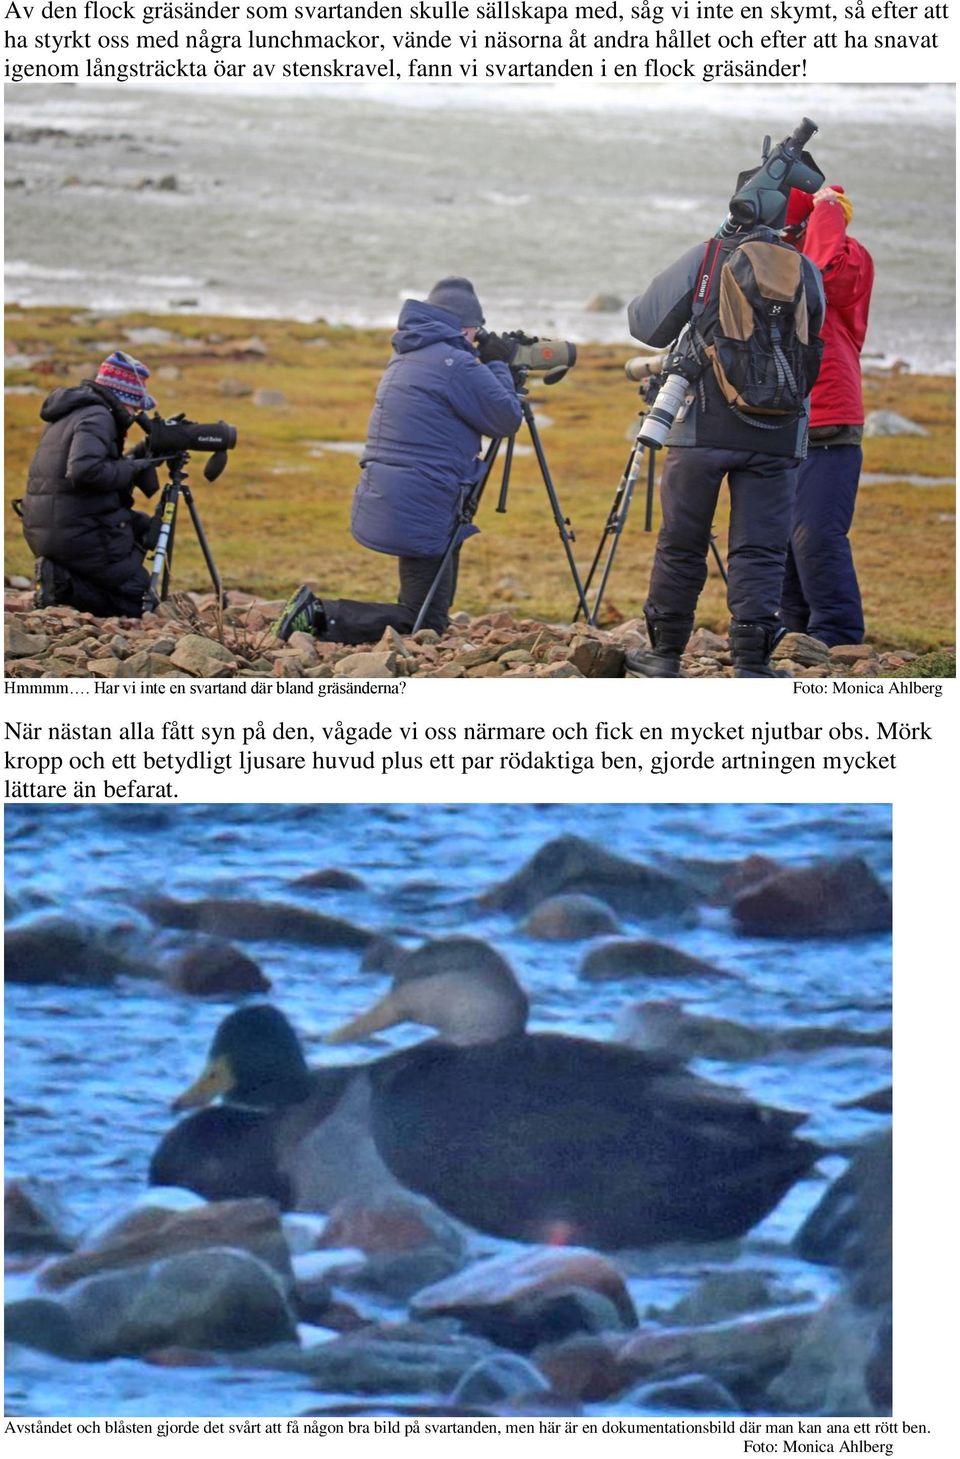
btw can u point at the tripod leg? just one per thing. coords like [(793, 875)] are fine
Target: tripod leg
[(608, 527), (158, 562), (621, 520), (204, 545), (717, 557), (563, 525), (466, 515)]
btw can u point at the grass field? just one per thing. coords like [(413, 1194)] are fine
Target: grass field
[(279, 514)]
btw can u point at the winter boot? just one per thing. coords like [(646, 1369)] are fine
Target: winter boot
[(51, 584), (303, 613), (668, 639), (751, 645)]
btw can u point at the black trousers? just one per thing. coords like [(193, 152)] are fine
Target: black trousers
[(349, 621), (762, 490), (821, 595)]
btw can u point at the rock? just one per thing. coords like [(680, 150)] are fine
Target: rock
[(743, 1354), (570, 919), (541, 1294), (217, 1298), (255, 921), (330, 878), (604, 304), (718, 882), (153, 1232), (561, 670), (392, 1359), (829, 899), (366, 666), (42, 1323), (719, 1296), (582, 1367), (878, 1101), (203, 657), (639, 958), (235, 389), (851, 1227), (596, 659), (216, 968), (827, 1371), (502, 1377), (570, 864), (800, 649), (57, 951), (33, 1218), (269, 399), (703, 642), (394, 1223), (851, 653), (889, 423), (694, 1393), (20, 645), (662, 1026)]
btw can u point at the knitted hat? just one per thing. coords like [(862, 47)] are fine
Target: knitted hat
[(459, 297), (124, 375)]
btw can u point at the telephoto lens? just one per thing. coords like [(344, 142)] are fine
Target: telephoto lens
[(659, 420)]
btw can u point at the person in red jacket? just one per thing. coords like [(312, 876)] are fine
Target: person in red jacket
[(821, 595)]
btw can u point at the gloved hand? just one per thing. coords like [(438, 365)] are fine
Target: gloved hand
[(497, 347)]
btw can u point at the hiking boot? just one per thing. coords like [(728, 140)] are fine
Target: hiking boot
[(50, 583), (662, 659), (302, 614), (751, 645)]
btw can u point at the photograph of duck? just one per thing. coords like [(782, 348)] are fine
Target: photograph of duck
[(535, 1137), (460, 1110)]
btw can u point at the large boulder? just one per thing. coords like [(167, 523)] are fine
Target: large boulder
[(216, 1298), (33, 1218), (151, 1232), (571, 864), (829, 899), (540, 1295)]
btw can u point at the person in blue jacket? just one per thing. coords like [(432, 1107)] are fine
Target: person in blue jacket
[(437, 397)]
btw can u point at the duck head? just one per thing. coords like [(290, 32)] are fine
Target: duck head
[(255, 1060), (458, 986)]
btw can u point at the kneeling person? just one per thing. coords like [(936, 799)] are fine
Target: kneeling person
[(78, 515), (436, 399)]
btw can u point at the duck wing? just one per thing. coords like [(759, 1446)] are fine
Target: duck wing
[(543, 1137)]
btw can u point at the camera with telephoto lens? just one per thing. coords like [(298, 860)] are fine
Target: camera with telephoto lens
[(760, 200), (176, 435), (551, 358)]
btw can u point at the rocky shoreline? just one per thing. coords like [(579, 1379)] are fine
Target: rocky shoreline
[(189, 636)]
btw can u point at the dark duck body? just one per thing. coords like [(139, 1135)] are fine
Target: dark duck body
[(531, 1136)]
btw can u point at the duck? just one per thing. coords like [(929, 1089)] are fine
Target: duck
[(530, 1136), (296, 1135)]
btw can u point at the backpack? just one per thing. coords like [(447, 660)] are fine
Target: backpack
[(750, 325)]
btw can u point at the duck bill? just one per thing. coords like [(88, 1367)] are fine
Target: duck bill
[(383, 1014), (216, 1079)]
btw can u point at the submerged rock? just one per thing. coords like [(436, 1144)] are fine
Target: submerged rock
[(570, 919), (572, 865), (33, 1218), (216, 968), (638, 958), (831, 898), (57, 951), (255, 921)]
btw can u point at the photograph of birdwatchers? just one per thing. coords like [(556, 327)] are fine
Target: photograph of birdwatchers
[(487, 381), (587, 1116)]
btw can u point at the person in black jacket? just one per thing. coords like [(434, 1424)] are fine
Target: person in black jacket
[(710, 442), (78, 515)]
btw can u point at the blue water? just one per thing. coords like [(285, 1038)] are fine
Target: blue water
[(90, 1072)]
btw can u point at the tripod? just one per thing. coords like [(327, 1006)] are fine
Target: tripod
[(471, 502), (617, 520), (159, 558)]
